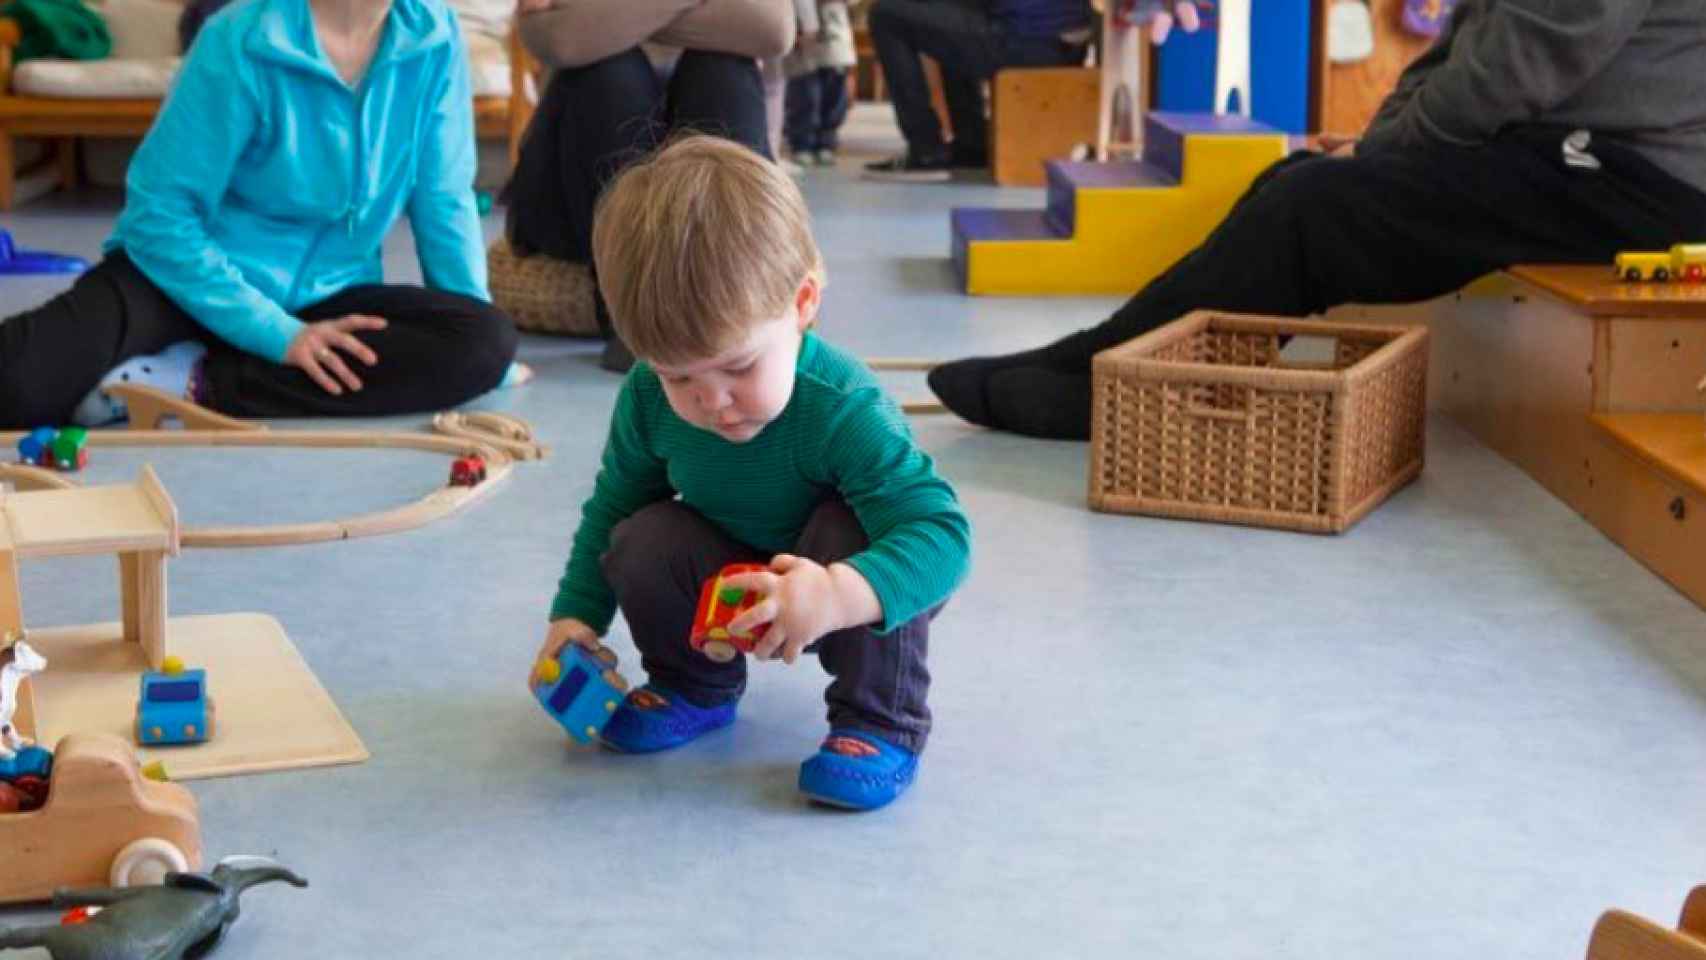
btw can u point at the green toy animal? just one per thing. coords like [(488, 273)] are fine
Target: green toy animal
[(183, 918)]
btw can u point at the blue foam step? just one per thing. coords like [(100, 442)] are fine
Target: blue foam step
[(1164, 135), (969, 224)]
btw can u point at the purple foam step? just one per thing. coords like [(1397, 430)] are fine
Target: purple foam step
[(969, 224), (1164, 135), (1067, 177)]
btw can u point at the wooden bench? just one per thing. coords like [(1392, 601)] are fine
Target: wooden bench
[(62, 121), (1589, 384)]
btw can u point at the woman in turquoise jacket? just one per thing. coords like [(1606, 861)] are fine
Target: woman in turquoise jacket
[(245, 269)]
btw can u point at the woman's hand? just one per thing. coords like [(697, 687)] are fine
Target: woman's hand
[(315, 351)]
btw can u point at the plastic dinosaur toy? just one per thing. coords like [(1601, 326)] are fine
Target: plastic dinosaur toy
[(184, 917)]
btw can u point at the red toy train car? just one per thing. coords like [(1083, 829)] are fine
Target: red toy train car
[(718, 605), (469, 471)]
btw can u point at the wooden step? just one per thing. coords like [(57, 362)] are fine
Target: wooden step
[(1672, 443)]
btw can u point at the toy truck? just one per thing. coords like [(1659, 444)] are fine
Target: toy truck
[(173, 706), (580, 690), (104, 824), (719, 604)]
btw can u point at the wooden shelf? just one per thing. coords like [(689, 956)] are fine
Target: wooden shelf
[(1597, 292), (1672, 443)]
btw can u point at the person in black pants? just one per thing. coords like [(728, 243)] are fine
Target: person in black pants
[(595, 120), (1477, 161), (970, 40), (245, 269)]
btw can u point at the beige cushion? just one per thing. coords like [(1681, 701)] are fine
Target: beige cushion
[(107, 79), (141, 29), (95, 79)]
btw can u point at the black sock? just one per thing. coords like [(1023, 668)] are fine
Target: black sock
[(963, 385), (1039, 402)]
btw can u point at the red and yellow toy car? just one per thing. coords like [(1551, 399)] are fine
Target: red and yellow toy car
[(719, 604)]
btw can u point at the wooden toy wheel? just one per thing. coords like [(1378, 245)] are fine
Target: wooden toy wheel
[(1632, 274), (146, 862), (1661, 275), (719, 650)]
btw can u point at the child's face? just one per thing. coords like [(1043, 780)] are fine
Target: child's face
[(737, 393)]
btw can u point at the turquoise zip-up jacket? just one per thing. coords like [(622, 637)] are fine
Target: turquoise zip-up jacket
[(267, 184)]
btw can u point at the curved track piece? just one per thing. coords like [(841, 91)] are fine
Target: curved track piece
[(149, 406), (510, 434), (25, 477)]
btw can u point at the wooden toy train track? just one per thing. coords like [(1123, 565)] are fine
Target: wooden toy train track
[(499, 439)]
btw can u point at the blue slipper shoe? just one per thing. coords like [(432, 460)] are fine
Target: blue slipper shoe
[(858, 771), (652, 719)]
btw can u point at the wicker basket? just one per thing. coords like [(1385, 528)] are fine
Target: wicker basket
[(1202, 419), (542, 294)]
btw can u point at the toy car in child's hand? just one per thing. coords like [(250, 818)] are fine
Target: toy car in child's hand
[(580, 689), (719, 605)]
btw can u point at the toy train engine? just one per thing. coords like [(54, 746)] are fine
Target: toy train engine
[(1685, 262), (580, 690), (469, 471), (173, 706), (719, 605)]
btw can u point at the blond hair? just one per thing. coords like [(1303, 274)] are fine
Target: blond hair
[(697, 243)]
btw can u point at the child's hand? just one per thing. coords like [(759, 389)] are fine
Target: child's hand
[(562, 633), (803, 600)]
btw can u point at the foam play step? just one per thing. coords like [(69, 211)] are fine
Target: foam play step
[(1108, 228)]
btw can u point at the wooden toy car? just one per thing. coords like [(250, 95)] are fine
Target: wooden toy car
[(103, 824), (469, 471), (580, 689), (173, 706), (718, 606), (1685, 262)]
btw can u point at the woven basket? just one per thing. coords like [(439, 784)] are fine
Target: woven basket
[(542, 294), (1202, 419)]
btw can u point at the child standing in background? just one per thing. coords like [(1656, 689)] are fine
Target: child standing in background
[(817, 96), (742, 436)]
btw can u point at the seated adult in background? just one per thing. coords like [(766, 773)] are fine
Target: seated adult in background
[(1533, 131), (245, 270), (970, 40), (606, 105)]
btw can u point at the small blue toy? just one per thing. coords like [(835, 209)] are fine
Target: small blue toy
[(580, 689), (19, 262), (35, 444), (31, 761), (173, 706)]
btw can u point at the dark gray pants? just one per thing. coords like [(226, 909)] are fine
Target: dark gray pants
[(659, 558)]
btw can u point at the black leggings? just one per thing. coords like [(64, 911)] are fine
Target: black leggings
[(595, 120), (437, 350)]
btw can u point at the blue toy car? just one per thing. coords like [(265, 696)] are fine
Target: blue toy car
[(173, 707), (580, 690), (35, 444)]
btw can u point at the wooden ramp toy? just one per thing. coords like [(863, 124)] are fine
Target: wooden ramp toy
[(1109, 228), (274, 714)]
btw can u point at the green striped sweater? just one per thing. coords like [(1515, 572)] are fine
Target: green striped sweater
[(839, 434)]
